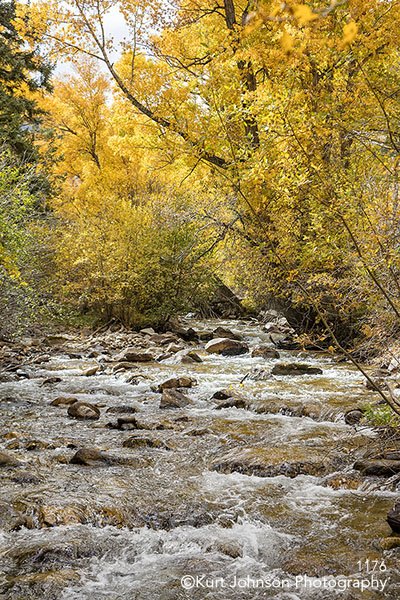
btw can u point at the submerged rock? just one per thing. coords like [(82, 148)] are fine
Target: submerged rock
[(295, 369), (144, 442), (353, 417), (134, 355), (393, 517), (89, 457), (177, 382), (121, 409), (378, 467), (172, 398), (221, 332), (254, 461), (233, 402), (265, 352), (6, 460), (83, 410), (63, 401), (226, 347)]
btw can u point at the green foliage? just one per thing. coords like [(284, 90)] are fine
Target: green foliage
[(23, 72), (380, 414)]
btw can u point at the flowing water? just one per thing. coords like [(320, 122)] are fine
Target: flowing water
[(133, 531)]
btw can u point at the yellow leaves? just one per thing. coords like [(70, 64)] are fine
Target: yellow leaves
[(304, 14), (286, 41), (350, 31)]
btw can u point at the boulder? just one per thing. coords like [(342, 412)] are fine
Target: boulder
[(353, 417), (221, 332), (226, 347), (222, 394), (63, 401), (288, 469), (147, 331), (177, 382), (295, 369), (172, 398), (265, 352), (187, 357), (187, 334), (233, 402), (83, 410), (121, 409), (378, 467), (134, 355), (6, 460), (144, 442), (393, 517), (90, 457), (91, 371), (259, 374)]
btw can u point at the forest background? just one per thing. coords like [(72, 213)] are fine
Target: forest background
[(251, 142)]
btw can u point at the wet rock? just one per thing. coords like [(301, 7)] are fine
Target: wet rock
[(172, 398), (12, 435), (83, 410), (194, 357), (205, 336), (90, 457), (145, 442), (134, 355), (254, 461), (51, 380), (147, 331), (265, 352), (91, 371), (26, 479), (287, 343), (390, 543), (187, 334), (6, 460), (63, 401), (51, 516), (174, 348), (124, 366), (353, 417), (229, 549), (187, 357), (39, 445), (221, 332), (222, 394), (380, 468), (226, 347), (393, 517), (342, 481), (198, 432), (295, 369), (128, 423), (233, 402), (257, 374), (177, 382), (121, 409)]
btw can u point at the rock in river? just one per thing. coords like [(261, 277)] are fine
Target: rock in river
[(134, 355), (83, 410), (226, 347), (174, 399), (295, 369), (393, 517), (265, 352), (379, 467), (177, 382), (6, 460)]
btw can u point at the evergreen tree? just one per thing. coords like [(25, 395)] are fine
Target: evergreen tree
[(22, 73)]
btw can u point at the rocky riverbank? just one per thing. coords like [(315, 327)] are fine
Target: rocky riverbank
[(217, 432)]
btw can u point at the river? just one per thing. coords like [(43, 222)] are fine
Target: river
[(174, 524)]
